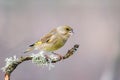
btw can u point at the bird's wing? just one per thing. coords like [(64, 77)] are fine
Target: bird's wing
[(48, 38)]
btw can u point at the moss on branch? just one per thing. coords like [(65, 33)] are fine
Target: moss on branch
[(14, 62)]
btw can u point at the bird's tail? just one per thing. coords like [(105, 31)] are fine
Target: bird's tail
[(29, 49)]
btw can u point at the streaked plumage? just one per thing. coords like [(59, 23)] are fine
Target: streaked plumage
[(52, 41)]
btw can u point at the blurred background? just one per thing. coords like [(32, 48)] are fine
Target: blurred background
[(96, 24)]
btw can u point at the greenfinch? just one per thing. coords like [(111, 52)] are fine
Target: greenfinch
[(52, 41)]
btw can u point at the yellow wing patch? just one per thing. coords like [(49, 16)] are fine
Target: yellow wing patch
[(38, 43)]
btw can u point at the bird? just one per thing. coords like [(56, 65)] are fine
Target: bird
[(52, 41)]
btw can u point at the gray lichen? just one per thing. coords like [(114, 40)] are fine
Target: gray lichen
[(9, 63), (41, 60)]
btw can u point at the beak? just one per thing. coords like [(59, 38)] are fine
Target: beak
[(71, 32)]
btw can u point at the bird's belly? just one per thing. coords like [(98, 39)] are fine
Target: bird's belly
[(53, 47)]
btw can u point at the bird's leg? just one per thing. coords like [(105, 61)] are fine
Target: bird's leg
[(58, 55)]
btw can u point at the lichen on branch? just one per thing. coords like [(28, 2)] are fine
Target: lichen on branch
[(39, 59)]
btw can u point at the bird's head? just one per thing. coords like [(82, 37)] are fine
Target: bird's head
[(65, 31)]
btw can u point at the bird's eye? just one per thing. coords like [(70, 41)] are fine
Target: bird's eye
[(67, 29)]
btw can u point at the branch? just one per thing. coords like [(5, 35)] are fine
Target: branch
[(12, 63)]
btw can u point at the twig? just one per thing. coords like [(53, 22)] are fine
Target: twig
[(13, 66)]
